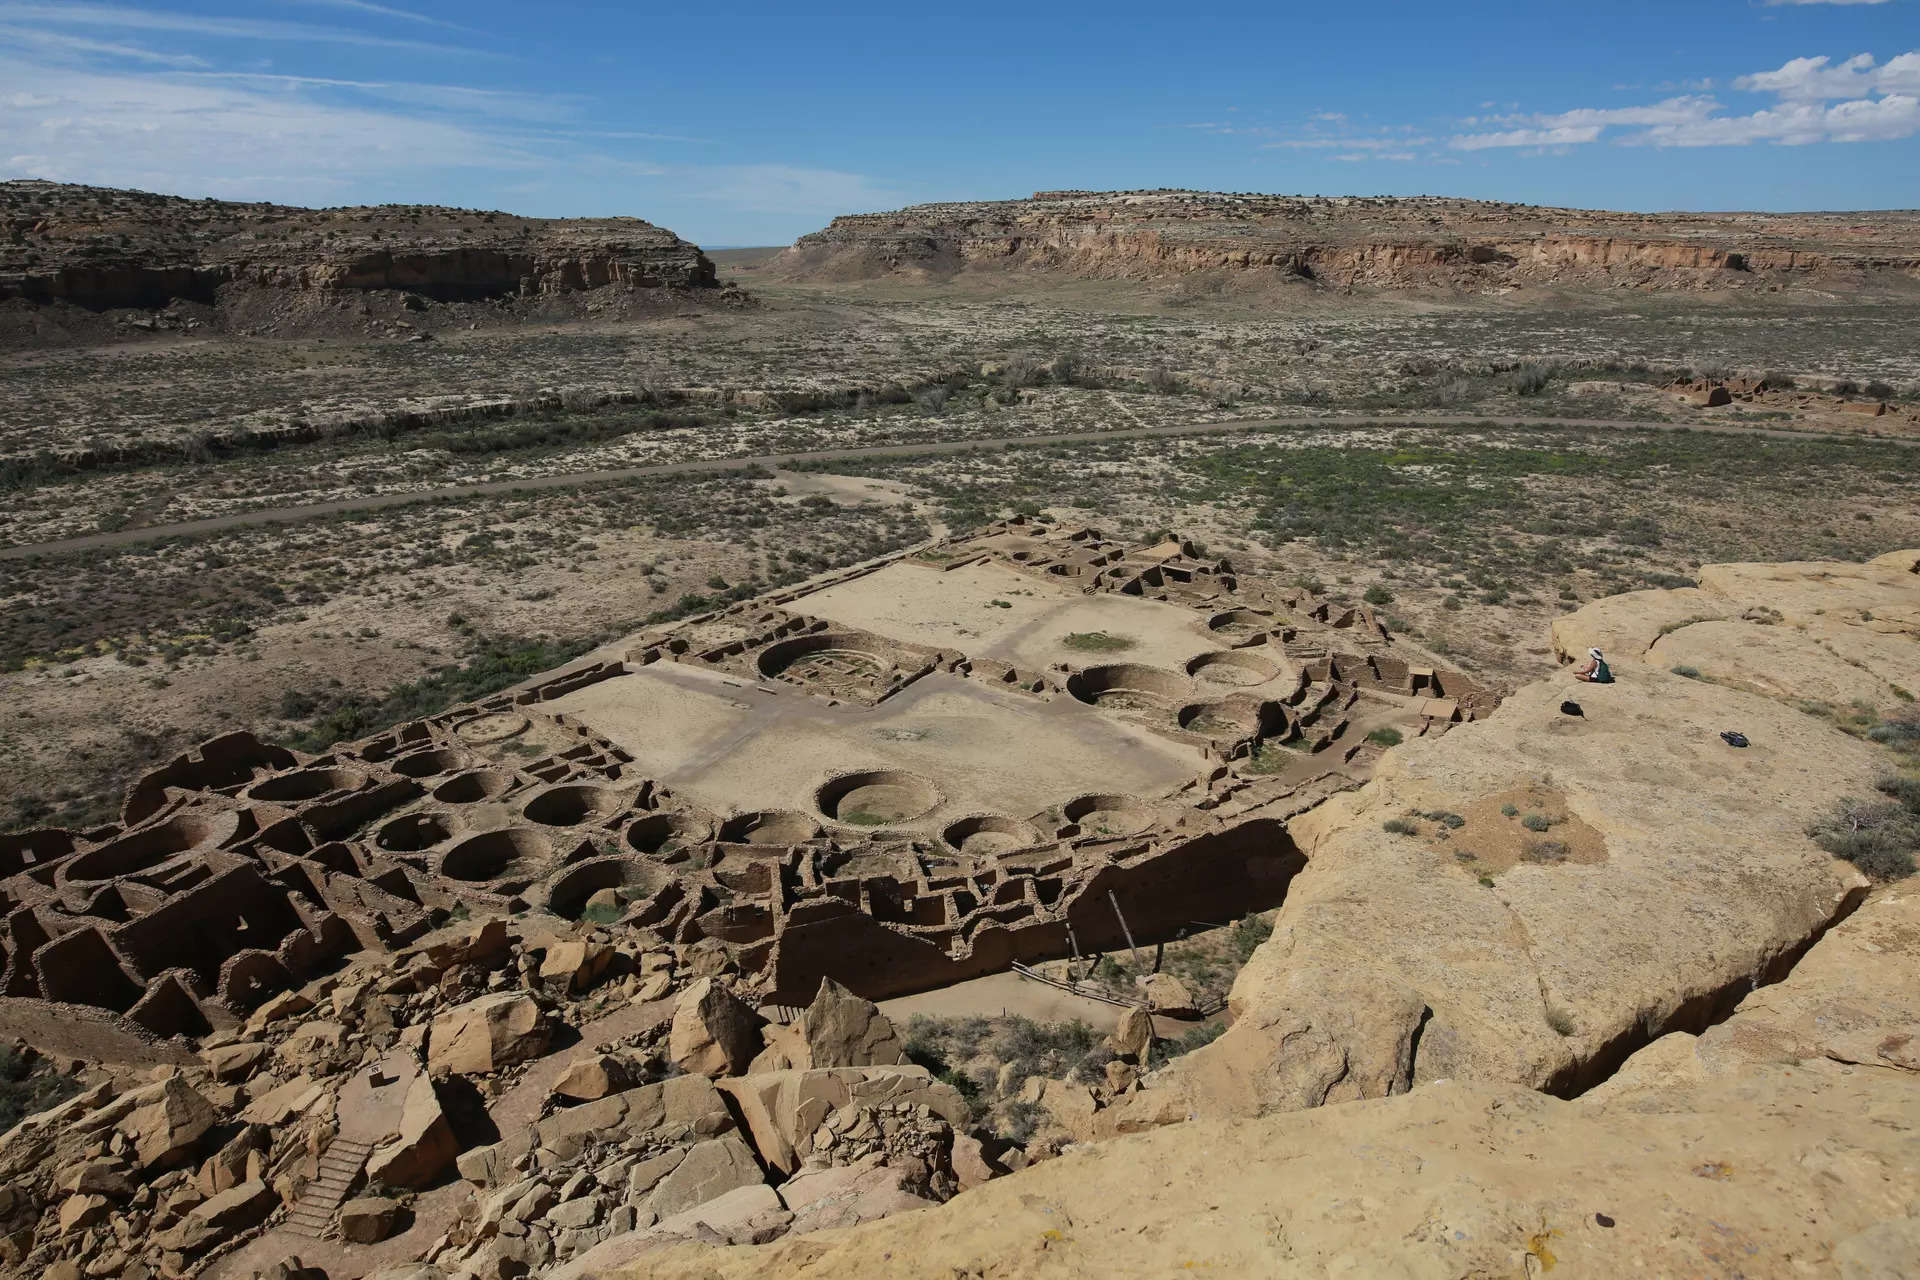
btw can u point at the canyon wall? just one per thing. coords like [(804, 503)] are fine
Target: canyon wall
[(1355, 241), (99, 249)]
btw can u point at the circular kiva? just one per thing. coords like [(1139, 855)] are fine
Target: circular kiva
[(769, 826), (304, 784), (1108, 815), (429, 764), (1239, 622), (824, 654), (984, 835), (495, 726), (665, 836), (472, 787), (1227, 718), (877, 798), (495, 854), (571, 805), (568, 892), (1233, 669), (141, 849), (412, 832), (1128, 686)]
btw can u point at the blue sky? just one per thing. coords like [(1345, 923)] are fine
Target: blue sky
[(744, 123)]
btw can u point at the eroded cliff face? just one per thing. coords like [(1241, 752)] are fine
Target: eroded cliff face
[(101, 249), (1355, 241)]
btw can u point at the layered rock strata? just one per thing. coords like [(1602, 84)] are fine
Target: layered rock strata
[(100, 248), (1350, 240)]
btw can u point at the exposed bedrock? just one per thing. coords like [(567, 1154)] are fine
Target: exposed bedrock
[(1780, 1143), (99, 248), (1343, 240), (1399, 959)]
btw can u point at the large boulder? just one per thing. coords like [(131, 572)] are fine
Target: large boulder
[(574, 966), (237, 1209), (711, 1169), (1134, 1034), (425, 1147), (484, 1035), (369, 1219), (714, 1033), (783, 1110), (839, 1029), (167, 1131), (595, 1076)]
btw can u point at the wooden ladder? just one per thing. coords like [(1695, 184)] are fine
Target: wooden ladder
[(312, 1214)]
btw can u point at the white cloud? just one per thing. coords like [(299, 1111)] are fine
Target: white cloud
[(1798, 124), (1551, 137), (53, 44), (381, 11), (780, 188), (1346, 144), (1813, 79), (119, 19), (1872, 102)]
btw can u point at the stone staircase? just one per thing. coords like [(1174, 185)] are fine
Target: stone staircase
[(312, 1214)]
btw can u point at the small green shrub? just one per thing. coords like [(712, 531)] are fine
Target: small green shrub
[(1537, 822), (1377, 595), (1098, 642), (1878, 837), (1509, 811), (1386, 737), (1691, 673), (1399, 827), (1446, 818), (1561, 1021)]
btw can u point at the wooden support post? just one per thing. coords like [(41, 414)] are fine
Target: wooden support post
[(1126, 932)]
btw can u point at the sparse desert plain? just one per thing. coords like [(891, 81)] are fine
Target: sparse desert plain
[(532, 748)]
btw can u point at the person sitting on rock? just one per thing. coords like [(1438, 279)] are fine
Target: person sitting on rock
[(1596, 671)]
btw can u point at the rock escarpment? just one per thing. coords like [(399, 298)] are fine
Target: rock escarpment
[(99, 249), (1354, 241)]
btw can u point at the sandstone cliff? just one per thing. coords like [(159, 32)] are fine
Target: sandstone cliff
[(1356, 241), (99, 248)]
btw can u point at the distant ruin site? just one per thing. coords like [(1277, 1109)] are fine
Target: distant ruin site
[(1028, 743)]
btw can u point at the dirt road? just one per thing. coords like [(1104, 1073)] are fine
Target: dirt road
[(376, 502)]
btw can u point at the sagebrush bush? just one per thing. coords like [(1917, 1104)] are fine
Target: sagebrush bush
[(1878, 837)]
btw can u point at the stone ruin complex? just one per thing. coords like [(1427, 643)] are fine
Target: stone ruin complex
[(243, 869)]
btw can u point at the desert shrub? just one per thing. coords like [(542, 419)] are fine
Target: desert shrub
[(1691, 673), (1446, 818), (1509, 811), (1537, 822), (1377, 595), (1545, 851), (1879, 837), (1561, 1021), (1019, 1121), (1902, 788), (1098, 642), (1399, 827), (28, 1086), (1385, 737), (1529, 379), (1248, 933), (1877, 390), (1165, 1051), (602, 913)]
